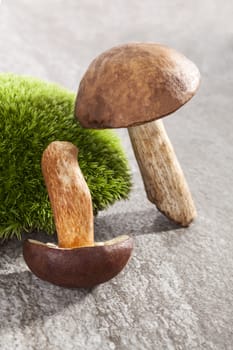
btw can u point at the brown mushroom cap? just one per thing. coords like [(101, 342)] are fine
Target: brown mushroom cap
[(134, 83), (78, 267)]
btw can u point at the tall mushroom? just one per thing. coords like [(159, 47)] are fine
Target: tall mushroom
[(77, 261), (131, 86)]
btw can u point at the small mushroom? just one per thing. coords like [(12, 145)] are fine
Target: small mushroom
[(77, 261), (131, 86)]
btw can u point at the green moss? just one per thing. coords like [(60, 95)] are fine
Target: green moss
[(32, 114)]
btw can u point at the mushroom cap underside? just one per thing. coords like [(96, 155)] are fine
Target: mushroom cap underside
[(134, 83), (78, 267)]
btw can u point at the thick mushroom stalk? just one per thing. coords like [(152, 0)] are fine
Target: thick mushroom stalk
[(69, 195), (162, 175)]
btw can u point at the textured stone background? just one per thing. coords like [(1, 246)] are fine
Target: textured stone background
[(177, 290)]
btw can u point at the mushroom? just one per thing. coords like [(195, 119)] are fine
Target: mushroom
[(132, 86), (77, 261)]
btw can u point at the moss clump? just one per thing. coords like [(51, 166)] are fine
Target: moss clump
[(32, 114)]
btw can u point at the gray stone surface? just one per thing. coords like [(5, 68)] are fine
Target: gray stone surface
[(177, 290)]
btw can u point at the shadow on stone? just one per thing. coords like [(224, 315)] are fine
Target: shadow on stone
[(25, 299), (135, 224)]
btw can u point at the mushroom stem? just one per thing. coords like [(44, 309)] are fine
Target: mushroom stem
[(162, 175), (69, 195)]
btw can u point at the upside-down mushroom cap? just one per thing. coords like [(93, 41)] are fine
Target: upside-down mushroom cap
[(134, 83), (82, 267)]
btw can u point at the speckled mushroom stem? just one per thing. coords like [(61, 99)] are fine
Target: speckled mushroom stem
[(162, 175), (69, 195)]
